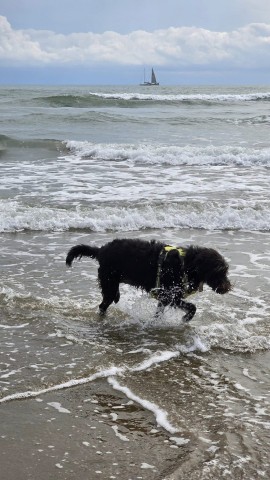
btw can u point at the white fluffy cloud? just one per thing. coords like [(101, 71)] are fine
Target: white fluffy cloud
[(248, 47)]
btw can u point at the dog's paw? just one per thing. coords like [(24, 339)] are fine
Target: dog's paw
[(186, 318), (101, 310), (190, 314)]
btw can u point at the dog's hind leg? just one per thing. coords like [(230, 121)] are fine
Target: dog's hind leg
[(117, 297), (104, 305), (109, 284)]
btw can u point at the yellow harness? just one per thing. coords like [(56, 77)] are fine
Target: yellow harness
[(185, 284), (180, 250)]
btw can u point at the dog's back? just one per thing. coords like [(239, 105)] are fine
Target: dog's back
[(134, 260)]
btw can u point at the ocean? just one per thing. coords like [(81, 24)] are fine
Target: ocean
[(132, 396)]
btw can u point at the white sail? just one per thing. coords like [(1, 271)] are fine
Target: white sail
[(153, 79)]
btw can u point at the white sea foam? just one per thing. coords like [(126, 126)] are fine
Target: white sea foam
[(122, 437), (64, 385), (10, 373), (196, 344), (147, 465), (14, 327), (172, 154), (185, 97), (160, 414), (205, 215), (113, 371), (58, 407), (179, 441), (154, 360), (247, 374), (231, 336), (141, 178)]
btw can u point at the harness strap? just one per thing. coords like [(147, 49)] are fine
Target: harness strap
[(162, 256), (181, 251), (161, 259), (185, 284)]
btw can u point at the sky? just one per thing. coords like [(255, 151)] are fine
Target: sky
[(118, 41)]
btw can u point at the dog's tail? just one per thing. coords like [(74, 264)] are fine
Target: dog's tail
[(81, 251)]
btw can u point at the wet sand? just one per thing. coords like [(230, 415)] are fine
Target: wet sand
[(73, 434), (92, 431)]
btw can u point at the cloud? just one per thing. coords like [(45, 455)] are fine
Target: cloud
[(247, 47), (18, 46)]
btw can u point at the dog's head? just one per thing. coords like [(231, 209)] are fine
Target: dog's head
[(220, 283), (212, 268)]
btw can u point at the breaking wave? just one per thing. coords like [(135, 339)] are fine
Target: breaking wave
[(123, 218), (185, 97), (173, 155)]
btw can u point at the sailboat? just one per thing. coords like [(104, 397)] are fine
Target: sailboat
[(153, 80)]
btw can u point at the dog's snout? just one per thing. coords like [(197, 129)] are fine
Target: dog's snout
[(224, 288)]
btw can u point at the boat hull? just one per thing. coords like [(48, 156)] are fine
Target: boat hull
[(148, 84)]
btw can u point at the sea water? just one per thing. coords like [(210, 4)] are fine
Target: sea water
[(184, 165)]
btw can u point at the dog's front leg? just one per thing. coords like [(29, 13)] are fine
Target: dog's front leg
[(163, 301), (160, 309), (173, 297), (189, 308)]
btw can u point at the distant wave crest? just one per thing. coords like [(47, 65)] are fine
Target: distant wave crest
[(185, 97), (91, 99)]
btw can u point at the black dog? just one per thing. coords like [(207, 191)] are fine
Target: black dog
[(169, 273)]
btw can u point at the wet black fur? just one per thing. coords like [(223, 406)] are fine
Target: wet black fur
[(135, 262)]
